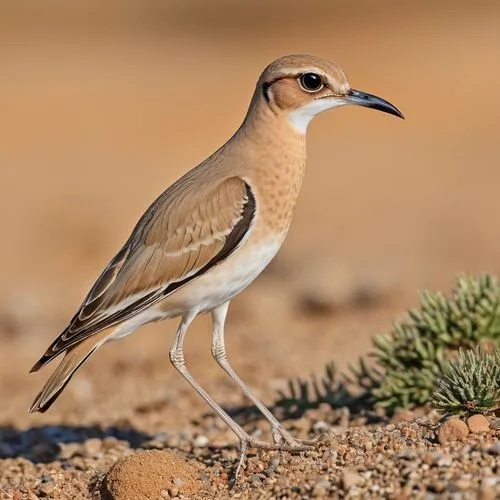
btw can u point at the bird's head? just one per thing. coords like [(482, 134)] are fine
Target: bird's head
[(301, 86)]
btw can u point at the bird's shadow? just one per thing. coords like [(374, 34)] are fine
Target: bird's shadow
[(43, 444)]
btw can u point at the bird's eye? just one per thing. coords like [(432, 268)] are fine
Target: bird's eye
[(311, 82)]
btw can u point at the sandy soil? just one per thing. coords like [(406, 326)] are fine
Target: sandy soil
[(103, 107)]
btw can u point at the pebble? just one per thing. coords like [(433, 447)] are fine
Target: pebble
[(491, 481), (320, 426), (460, 485), (478, 423), (452, 429), (318, 492), (494, 449), (427, 469), (487, 493), (351, 479), (323, 483), (441, 459), (495, 424), (68, 450), (255, 479), (200, 441), (177, 481), (45, 489)]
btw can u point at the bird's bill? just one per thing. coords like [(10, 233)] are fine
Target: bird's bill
[(372, 101)]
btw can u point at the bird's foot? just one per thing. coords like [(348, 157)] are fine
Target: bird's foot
[(281, 435), (286, 443)]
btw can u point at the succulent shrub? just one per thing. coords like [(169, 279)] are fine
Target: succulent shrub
[(469, 384), (414, 364), (413, 355)]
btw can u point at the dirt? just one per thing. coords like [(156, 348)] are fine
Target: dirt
[(102, 107), (152, 474)]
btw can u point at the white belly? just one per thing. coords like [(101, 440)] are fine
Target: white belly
[(224, 281), (212, 289)]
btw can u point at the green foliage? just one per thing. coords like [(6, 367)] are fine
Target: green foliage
[(469, 384), (413, 358), (413, 355)]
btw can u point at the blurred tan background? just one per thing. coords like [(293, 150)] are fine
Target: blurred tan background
[(104, 104)]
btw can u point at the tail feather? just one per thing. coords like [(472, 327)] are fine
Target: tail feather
[(73, 359)]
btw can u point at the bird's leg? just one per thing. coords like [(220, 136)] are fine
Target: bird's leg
[(280, 435), (246, 441)]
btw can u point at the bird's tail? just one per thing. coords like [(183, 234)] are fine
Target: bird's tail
[(73, 359)]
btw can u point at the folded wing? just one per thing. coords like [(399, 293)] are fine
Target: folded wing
[(184, 233)]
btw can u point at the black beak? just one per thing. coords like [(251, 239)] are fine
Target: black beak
[(372, 101)]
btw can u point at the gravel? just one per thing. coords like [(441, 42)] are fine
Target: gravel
[(396, 459)]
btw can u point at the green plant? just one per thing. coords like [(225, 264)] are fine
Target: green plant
[(413, 355), (469, 384)]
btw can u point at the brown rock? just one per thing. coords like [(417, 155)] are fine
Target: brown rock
[(487, 493), (478, 423), (495, 424), (146, 474), (350, 479), (452, 429)]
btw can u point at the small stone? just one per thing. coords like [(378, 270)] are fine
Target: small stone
[(461, 485), (200, 441), (486, 493), (478, 423), (45, 489), (92, 447), (491, 481), (320, 426), (173, 491), (495, 424), (68, 450), (177, 481), (452, 429), (437, 486), (255, 480), (494, 449), (441, 459), (318, 492), (351, 479), (321, 488)]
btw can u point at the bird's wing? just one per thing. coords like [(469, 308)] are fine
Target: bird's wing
[(188, 230)]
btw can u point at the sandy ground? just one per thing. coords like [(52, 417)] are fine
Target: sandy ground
[(103, 107)]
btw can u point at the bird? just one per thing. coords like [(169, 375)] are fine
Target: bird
[(210, 234)]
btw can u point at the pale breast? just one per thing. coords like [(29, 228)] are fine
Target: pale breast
[(224, 281)]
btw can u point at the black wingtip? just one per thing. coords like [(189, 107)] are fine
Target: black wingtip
[(37, 366)]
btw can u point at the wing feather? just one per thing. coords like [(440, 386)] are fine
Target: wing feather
[(182, 235)]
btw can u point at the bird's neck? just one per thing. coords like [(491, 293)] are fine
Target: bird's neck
[(276, 160)]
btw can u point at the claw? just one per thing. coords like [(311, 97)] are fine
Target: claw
[(293, 446), (280, 434)]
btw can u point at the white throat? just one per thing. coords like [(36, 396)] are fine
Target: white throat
[(301, 117)]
